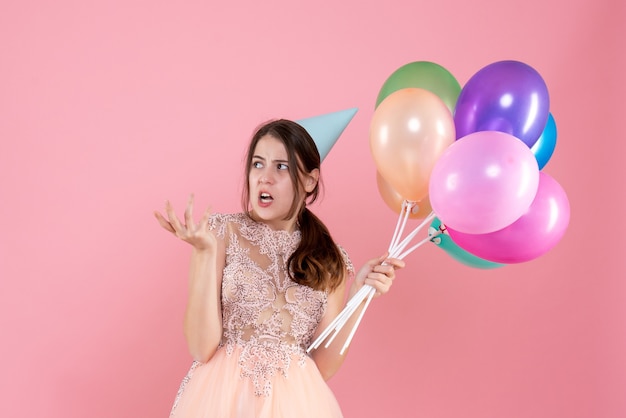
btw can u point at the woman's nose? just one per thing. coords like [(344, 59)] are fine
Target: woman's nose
[(266, 177)]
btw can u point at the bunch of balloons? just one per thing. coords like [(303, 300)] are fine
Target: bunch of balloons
[(470, 160), (467, 161)]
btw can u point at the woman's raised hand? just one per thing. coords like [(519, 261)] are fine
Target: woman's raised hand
[(197, 235)]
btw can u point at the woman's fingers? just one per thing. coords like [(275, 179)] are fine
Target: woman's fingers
[(173, 219), (386, 268), (189, 231), (383, 273), (189, 214), (204, 221), (384, 278), (395, 262), (378, 260), (164, 223), (198, 235)]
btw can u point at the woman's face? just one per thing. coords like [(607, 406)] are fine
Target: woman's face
[(271, 189)]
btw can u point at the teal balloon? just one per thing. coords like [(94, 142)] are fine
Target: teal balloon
[(327, 128), (544, 147), (458, 253)]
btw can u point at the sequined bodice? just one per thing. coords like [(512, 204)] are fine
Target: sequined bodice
[(271, 317)]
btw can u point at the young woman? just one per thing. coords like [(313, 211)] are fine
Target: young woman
[(262, 285)]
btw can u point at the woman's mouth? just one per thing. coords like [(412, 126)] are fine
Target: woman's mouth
[(265, 199)]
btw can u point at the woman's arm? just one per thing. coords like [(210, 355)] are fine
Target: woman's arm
[(203, 315), (378, 273)]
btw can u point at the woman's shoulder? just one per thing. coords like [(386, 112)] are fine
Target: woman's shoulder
[(220, 222), (227, 217)]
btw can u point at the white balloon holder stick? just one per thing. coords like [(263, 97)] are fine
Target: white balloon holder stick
[(367, 292)]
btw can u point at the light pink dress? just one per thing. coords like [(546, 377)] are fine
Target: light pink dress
[(261, 368)]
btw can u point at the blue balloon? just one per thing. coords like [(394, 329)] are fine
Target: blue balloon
[(505, 96), (544, 147)]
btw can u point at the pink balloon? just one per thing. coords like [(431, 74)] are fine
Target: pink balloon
[(483, 182), (532, 235)]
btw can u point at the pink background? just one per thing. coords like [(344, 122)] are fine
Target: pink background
[(108, 108)]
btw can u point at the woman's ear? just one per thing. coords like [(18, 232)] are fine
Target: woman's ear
[(311, 179)]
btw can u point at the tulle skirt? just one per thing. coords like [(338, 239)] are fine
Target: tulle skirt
[(216, 389)]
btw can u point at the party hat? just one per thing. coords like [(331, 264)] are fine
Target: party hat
[(326, 129)]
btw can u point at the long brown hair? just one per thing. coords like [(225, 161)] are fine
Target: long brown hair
[(317, 262)]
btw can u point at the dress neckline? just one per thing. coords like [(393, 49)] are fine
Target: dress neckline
[(294, 235)]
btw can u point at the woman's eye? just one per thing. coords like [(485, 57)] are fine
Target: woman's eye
[(257, 164), (282, 166)]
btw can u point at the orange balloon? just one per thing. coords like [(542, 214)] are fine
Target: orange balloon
[(394, 200), (409, 131)]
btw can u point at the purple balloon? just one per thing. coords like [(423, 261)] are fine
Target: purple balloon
[(531, 236), (483, 182), (506, 96)]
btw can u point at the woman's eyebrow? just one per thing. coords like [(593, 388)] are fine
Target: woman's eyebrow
[(258, 157)]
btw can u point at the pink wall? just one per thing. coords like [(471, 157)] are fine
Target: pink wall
[(108, 108)]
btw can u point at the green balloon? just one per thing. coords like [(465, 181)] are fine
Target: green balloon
[(459, 254), (425, 75)]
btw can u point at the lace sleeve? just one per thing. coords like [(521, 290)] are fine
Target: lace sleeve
[(218, 223), (347, 262)]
